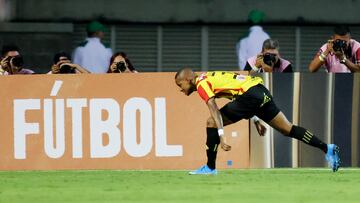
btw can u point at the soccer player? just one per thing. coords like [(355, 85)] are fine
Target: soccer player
[(249, 98)]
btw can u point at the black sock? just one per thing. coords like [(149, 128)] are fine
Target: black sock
[(307, 137), (212, 143)]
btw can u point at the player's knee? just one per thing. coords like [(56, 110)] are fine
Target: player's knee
[(210, 123), (285, 130)]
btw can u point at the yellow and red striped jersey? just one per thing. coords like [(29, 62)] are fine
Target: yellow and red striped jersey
[(224, 84)]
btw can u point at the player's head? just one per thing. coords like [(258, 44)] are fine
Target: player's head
[(185, 79)]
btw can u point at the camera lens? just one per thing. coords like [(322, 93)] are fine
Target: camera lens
[(17, 61), (339, 45), (269, 59), (120, 66), (66, 69)]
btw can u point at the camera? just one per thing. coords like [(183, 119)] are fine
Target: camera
[(66, 69), (13, 63), (339, 45), (17, 61), (269, 59), (121, 66)]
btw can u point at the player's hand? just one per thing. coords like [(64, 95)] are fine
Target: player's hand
[(260, 128), (223, 145)]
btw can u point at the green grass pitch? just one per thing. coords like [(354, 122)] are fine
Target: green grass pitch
[(251, 185)]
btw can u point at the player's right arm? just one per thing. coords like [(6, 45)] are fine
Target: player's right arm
[(216, 115), (206, 93)]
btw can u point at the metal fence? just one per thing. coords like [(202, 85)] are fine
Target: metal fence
[(207, 47)]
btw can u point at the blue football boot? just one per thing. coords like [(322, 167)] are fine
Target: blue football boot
[(204, 170), (332, 156)]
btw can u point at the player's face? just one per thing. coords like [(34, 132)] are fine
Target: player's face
[(185, 86)]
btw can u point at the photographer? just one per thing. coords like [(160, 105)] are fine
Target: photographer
[(62, 65), (268, 60), (12, 62), (120, 63), (340, 54)]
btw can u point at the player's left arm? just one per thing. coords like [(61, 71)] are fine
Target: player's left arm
[(216, 115), (259, 126)]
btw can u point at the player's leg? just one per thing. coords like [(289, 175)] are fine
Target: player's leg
[(212, 145), (270, 113), (243, 107), (213, 139), (230, 113), (280, 123)]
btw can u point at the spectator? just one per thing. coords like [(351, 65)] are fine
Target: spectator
[(120, 63), (268, 60), (92, 54), (251, 44), (12, 62), (62, 65), (340, 54)]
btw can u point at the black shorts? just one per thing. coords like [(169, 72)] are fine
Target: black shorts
[(256, 101)]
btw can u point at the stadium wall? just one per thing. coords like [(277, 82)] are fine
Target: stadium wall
[(113, 121), (173, 11)]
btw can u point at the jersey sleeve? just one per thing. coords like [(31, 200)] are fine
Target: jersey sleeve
[(204, 90)]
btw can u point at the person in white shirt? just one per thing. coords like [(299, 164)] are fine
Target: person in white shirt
[(92, 54), (251, 45)]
